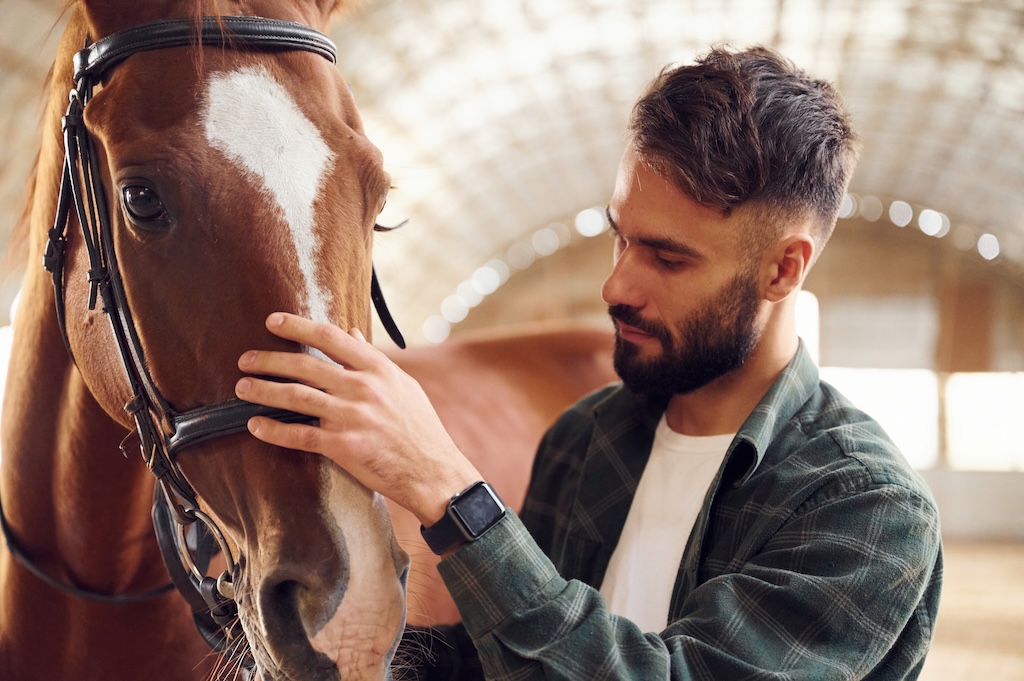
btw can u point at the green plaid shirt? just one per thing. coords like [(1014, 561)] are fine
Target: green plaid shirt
[(816, 554)]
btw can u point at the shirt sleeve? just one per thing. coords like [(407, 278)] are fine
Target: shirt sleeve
[(842, 591)]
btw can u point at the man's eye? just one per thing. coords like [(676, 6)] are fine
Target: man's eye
[(669, 262)]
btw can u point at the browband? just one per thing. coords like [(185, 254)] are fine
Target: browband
[(228, 31)]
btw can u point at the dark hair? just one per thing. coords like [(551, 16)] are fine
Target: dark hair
[(749, 128)]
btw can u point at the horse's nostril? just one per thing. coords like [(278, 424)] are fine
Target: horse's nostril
[(294, 606), (292, 611), (286, 593), (279, 603), (304, 594)]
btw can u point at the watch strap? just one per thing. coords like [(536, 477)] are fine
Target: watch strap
[(467, 516)]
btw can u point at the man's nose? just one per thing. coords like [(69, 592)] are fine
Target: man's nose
[(623, 285)]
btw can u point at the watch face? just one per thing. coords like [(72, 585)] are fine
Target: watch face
[(478, 508)]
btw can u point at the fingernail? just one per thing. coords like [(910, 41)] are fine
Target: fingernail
[(247, 359), (356, 333), (253, 425), (243, 386), (276, 319)]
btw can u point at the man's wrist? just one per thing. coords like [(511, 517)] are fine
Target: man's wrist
[(428, 501), (434, 502)]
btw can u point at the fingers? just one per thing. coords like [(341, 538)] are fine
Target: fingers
[(296, 366), (347, 349), (296, 436), (312, 383), (289, 396)]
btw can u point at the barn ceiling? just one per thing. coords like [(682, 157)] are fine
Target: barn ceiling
[(501, 120)]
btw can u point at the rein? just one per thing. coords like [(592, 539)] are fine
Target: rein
[(161, 432), (42, 575)]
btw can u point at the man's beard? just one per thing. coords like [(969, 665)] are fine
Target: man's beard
[(715, 340)]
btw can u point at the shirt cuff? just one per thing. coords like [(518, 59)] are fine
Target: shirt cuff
[(497, 575)]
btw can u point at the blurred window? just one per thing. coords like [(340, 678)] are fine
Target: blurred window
[(985, 421), (904, 401)]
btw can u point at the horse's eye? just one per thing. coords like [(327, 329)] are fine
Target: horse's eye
[(142, 203)]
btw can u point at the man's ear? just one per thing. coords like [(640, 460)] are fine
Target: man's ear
[(788, 264)]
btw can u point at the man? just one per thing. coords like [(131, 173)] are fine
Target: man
[(721, 515)]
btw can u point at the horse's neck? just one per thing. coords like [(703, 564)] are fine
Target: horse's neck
[(64, 476), (81, 511)]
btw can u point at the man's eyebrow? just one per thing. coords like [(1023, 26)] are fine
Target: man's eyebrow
[(659, 243)]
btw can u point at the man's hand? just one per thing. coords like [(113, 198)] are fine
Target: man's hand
[(375, 420)]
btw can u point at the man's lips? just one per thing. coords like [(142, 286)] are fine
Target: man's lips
[(631, 333)]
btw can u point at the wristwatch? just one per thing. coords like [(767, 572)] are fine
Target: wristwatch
[(468, 515)]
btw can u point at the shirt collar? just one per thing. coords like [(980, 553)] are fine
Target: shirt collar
[(791, 390)]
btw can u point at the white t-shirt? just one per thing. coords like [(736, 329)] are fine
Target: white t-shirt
[(643, 567)]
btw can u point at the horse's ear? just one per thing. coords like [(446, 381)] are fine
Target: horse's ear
[(377, 227)]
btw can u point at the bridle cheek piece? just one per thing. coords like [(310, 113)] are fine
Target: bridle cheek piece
[(161, 432)]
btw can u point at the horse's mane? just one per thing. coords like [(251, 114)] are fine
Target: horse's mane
[(17, 241)]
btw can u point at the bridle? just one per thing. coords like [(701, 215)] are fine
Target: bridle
[(161, 431)]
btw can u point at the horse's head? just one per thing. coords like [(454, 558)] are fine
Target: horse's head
[(238, 181)]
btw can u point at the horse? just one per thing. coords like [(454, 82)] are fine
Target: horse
[(211, 169)]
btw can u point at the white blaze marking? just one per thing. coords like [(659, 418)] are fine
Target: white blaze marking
[(253, 120)]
